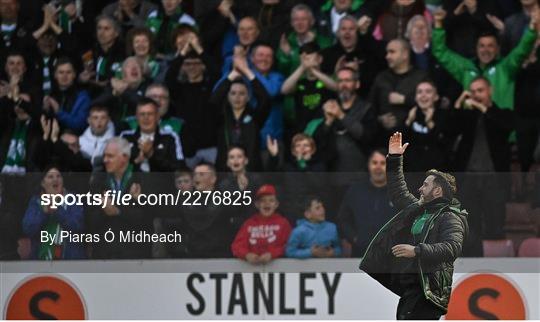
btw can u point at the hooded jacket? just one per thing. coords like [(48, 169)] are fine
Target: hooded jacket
[(308, 234), (441, 241), (92, 146)]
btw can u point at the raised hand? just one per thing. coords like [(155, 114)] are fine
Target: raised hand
[(535, 19), (496, 22), (394, 144), (471, 5), (46, 127), (363, 24), (135, 190), (284, 45), (439, 16), (272, 146), (55, 132)]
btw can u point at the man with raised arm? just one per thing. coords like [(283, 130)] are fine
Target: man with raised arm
[(413, 254)]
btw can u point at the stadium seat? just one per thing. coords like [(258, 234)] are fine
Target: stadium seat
[(529, 248), (518, 213), (498, 248), (519, 218), (24, 248)]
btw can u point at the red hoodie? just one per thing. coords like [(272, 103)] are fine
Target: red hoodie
[(260, 235)]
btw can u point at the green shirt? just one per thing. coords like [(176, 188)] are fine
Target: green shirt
[(501, 73), (287, 64)]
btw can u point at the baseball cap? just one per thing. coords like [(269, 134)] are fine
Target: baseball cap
[(266, 190)]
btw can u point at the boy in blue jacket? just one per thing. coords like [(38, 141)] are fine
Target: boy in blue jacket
[(313, 236)]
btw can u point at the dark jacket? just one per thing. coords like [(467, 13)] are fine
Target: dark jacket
[(131, 218), (405, 84), (429, 148), (20, 40), (167, 156), (243, 131), (441, 241), (237, 214), (463, 29), (364, 210), (367, 52), (106, 65), (60, 154), (351, 137), (191, 102), (206, 232), (121, 106), (498, 125)]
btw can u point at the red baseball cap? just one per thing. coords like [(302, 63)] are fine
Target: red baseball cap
[(266, 190)]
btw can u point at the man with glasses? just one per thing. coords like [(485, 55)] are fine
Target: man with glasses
[(349, 123)]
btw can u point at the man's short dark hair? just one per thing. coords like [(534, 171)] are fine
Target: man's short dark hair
[(487, 33), (98, 108), (208, 165), (63, 61), (147, 101), (260, 43), (382, 151), (183, 172), (16, 52), (444, 180), (309, 48)]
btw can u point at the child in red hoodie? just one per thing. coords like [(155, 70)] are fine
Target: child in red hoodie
[(264, 235)]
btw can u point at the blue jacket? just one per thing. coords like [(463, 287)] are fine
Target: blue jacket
[(74, 116), (308, 234), (70, 218)]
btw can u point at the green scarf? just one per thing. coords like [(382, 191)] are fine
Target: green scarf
[(46, 250), (163, 33), (63, 21), (123, 183), (302, 164), (16, 156), (418, 224), (312, 126)]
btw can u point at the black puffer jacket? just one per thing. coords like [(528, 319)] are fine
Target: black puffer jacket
[(441, 241)]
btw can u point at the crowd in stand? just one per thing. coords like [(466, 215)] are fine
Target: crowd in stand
[(292, 100)]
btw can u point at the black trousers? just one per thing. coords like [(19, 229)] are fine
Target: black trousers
[(414, 306)]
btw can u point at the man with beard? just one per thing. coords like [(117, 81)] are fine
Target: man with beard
[(348, 126), (413, 254)]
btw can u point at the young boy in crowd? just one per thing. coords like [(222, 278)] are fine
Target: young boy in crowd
[(314, 236), (264, 235)]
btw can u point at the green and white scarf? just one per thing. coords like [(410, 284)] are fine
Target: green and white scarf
[(16, 156)]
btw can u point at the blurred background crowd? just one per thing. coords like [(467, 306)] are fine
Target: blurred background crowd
[(293, 100)]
